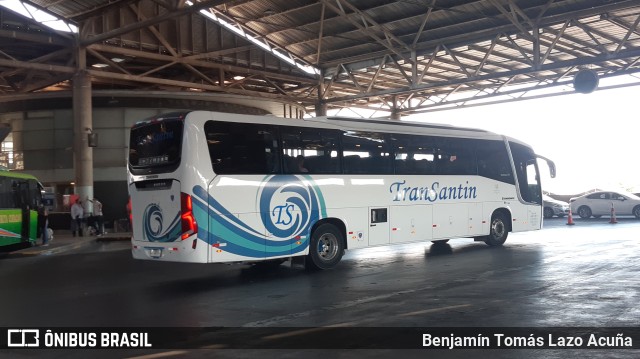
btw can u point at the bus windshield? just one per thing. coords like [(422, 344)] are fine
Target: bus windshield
[(527, 173), (155, 146)]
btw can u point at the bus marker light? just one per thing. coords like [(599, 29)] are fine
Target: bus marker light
[(435, 225), (350, 232), (195, 241)]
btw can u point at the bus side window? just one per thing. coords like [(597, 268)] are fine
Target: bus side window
[(309, 150), (6, 193), (242, 148), (493, 161), (366, 152)]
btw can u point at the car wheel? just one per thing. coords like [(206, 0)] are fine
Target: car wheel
[(584, 212), (326, 247), (548, 212), (498, 231), (636, 211)]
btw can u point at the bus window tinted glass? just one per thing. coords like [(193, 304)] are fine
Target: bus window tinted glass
[(493, 161), (310, 150), (7, 197), (242, 148), (413, 155), (156, 144), (454, 156), (366, 152), (527, 173)]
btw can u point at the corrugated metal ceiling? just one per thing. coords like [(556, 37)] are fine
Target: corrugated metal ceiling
[(403, 56)]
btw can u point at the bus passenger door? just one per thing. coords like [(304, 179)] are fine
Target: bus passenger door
[(378, 225), (21, 199)]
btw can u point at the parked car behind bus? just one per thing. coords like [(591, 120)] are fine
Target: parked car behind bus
[(599, 203), (554, 207)]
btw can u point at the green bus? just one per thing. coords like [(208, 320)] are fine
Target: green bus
[(20, 196)]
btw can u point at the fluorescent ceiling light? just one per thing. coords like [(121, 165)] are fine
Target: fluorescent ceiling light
[(232, 25)]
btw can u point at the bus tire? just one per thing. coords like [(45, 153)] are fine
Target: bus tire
[(498, 231), (326, 247)]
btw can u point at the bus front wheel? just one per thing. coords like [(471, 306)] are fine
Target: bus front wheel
[(326, 247), (498, 231)]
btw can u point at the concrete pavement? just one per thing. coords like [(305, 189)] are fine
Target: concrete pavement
[(63, 241)]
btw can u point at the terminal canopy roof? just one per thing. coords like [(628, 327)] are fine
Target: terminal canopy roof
[(404, 56)]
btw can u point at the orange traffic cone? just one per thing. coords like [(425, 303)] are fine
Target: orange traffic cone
[(613, 219), (570, 218)]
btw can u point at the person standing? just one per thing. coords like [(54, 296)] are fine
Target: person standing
[(97, 216), (43, 223), (76, 218)]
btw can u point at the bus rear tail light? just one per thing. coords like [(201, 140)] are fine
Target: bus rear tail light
[(189, 224)]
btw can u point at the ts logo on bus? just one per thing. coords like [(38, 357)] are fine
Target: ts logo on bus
[(286, 219), (292, 205)]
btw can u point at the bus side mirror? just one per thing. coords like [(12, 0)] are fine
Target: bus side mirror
[(552, 166), (552, 169)]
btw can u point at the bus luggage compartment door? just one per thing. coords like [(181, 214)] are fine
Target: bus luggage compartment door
[(411, 223)]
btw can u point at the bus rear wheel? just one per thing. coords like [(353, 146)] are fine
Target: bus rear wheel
[(498, 231), (326, 247)]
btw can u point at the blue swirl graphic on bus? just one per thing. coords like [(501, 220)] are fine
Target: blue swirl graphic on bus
[(153, 225), (292, 206), (288, 207)]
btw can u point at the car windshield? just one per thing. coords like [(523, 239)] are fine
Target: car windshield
[(632, 196)]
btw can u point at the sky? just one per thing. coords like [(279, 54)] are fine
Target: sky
[(594, 139)]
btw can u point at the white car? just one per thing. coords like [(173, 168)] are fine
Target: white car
[(553, 207), (599, 203)]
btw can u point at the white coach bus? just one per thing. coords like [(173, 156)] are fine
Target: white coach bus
[(212, 187)]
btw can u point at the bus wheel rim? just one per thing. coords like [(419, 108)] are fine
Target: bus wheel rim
[(498, 228), (328, 246)]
